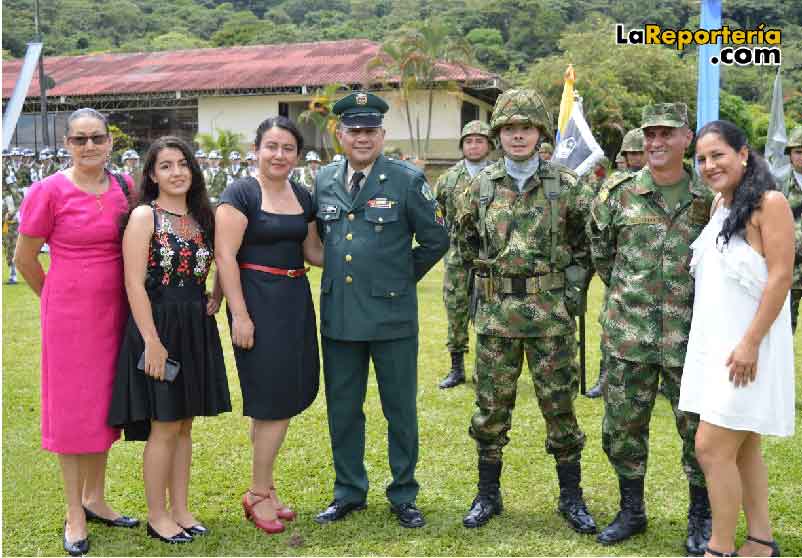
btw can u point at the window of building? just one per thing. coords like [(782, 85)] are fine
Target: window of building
[(284, 110), (469, 112)]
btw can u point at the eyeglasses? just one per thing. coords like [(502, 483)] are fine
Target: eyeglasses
[(99, 139)]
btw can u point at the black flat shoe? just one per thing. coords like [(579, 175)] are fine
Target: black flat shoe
[(196, 530), (408, 515), (122, 521), (179, 538), (77, 548), (338, 510)]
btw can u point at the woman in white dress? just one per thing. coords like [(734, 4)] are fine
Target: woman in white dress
[(739, 368)]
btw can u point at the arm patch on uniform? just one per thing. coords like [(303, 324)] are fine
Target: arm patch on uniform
[(427, 192)]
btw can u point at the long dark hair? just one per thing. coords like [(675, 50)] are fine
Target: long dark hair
[(197, 199), (279, 122), (757, 179)]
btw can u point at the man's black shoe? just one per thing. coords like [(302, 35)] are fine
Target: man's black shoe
[(572, 505), (337, 510), (631, 520), (483, 508), (408, 515), (700, 521), (456, 375)]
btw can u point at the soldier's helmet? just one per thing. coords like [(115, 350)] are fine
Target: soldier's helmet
[(251, 156), (794, 139), (45, 154), (200, 154), (28, 152), (338, 157), (475, 128), (6, 152), (234, 156), (16, 152), (546, 147), (214, 154), (633, 141), (520, 106), (130, 154), (63, 153), (312, 156)]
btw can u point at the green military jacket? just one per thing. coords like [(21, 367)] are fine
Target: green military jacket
[(12, 195), (447, 188), (521, 243), (215, 183), (794, 194), (641, 250), (368, 289), (304, 177)]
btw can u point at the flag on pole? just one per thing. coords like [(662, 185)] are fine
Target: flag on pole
[(707, 89), (576, 148), (776, 139)]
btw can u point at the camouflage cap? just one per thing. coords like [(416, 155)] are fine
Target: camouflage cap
[(520, 106), (672, 115), (794, 139), (546, 147), (633, 141), (475, 128)]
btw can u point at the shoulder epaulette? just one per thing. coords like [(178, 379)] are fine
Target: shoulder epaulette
[(612, 183)]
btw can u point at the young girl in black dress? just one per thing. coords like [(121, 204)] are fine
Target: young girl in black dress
[(167, 251)]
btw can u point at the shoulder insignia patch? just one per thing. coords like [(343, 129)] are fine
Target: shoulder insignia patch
[(427, 192)]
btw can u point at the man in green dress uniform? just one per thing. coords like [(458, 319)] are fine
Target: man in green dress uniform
[(369, 209)]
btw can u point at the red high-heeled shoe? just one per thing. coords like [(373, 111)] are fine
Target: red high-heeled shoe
[(283, 512), (271, 526)]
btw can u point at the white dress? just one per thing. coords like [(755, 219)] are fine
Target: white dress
[(729, 283)]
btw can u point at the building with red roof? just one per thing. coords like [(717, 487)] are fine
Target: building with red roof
[(184, 92)]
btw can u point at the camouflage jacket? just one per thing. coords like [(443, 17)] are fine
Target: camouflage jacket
[(446, 189), (215, 182), (795, 201), (12, 195), (641, 250), (518, 234), (303, 175)]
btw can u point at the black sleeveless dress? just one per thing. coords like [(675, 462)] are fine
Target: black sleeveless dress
[(178, 264), (280, 375)]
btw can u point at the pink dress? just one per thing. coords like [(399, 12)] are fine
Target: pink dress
[(83, 309)]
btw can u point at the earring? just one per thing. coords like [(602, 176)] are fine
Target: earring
[(743, 163)]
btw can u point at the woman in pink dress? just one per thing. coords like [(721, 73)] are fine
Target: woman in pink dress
[(83, 311)]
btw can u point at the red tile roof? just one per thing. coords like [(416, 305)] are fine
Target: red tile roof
[(214, 69)]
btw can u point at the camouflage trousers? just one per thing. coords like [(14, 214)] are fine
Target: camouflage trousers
[(796, 295), (456, 296), (552, 365), (9, 241), (629, 396)]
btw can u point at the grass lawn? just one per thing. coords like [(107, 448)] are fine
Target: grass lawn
[(33, 507)]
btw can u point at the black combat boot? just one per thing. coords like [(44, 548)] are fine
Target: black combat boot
[(596, 391), (456, 375), (631, 520), (488, 501), (571, 505), (700, 521)]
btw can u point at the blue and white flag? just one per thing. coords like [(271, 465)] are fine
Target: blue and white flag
[(776, 138), (576, 147), (707, 88)]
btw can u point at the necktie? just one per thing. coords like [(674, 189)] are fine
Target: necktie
[(355, 180)]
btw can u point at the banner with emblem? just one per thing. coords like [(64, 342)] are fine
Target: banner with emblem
[(576, 147)]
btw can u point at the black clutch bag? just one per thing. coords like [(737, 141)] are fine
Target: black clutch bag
[(171, 367)]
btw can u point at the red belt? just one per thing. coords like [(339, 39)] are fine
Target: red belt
[(275, 270)]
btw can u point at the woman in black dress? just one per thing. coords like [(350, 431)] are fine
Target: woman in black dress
[(167, 253), (265, 231)]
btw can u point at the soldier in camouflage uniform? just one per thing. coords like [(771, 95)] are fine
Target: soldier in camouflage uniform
[(253, 166), (306, 175), (546, 151), (64, 159), (12, 198), (235, 170), (131, 166), (47, 165), (475, 144), (200, 156), (632, 153), (793, 191), (520, 223), (641, 229), (214, 176)]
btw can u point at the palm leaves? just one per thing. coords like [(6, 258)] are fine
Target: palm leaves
[(320, 116), (226, 142)]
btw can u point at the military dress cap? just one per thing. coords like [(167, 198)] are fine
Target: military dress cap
[(214, 154), (234, 156), (794, 139), (520, 106), (361, 110), (251, 156), (313, 156), (546, 147), (633, 141), (672, 115)]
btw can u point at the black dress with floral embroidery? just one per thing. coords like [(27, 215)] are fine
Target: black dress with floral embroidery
[(178, 265)]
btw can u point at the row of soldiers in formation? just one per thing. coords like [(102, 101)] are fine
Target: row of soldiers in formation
[(525, 237)]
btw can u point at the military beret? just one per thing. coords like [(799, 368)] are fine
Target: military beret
[(672, 115), (361, 110)]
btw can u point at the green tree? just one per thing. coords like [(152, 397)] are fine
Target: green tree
[(177, 40), (225, 142), (321, 116)]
